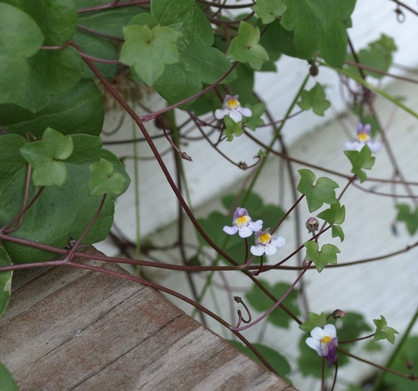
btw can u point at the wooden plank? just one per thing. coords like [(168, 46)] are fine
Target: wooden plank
[(72, 329)]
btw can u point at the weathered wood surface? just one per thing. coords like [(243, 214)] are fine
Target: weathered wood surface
[(72, 329)]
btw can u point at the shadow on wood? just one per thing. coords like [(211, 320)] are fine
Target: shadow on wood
[(72, 329)]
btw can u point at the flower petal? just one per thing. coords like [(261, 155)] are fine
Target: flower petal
[(235, 115), (245, 232), (353, 145), (257, 250), (246, 112), (219, 113), (374, 146), (230, 230), (314, 344), (270, 249), (256, 225), (330, 330), (280, 241), (317, 333)]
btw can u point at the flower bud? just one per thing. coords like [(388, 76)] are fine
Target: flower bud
[(338, 314), (312, 224)]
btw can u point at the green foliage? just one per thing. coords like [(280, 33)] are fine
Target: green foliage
[(318, 194), (58, 212), (260, 302), (276, 360), (269, 10), (21, 39), (43, 156), (6, 380), (319, 26), (321, 258), (199, 62), (407, 355), (378, 55), (408, 216), (245, 47), (5, 282), (104, 180), (255, 121), (334, 216), (148, 51), (315, 99), (383, 331), (314, 320), (78, 111), (232, 128), (361, 160)]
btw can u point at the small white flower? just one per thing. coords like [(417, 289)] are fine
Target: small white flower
[(363, 138), (265, 244), (325, 342), (243, 224), (232, 108)]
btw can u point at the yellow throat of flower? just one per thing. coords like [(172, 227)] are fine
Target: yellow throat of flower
[(265, 238), (242, 221), (326, 339), (232, 104), (363, 137)]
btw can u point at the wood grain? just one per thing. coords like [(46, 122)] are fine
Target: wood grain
[(72, 329)]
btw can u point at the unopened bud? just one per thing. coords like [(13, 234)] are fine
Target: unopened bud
[(312, 224), (338, 314)]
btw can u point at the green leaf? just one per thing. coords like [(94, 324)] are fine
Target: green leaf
[(314, 320), (43, 155), (56, 18), (361, 160), (260, 302), (111, 21), (104, 180), (58, 212), (383, 331), (278, 40), (245, 47), (316, 195), (97, 47), (51, 73), (378, 55), (276, 360), (21, 39), (410, 218), (315, 99), (255, 121), (78, 111), (6, 380), (200, 63), (5, 282), (232, 128), (334, 215), (319, 26), (321, 258), (148, 51), (269, 10)]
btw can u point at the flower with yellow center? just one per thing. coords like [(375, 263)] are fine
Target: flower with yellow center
[(266, 244), (363, 138), (325, 342), (243, 224), (233, 109)]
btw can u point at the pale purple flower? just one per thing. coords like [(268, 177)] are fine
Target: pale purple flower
[(325, 342), (243, 224), (266, 244), (232, 107), (363, 138)]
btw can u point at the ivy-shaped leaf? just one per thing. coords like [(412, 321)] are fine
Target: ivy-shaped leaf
[(255, 121), (245, 47), (104, 180), (315, 99), (268, 10), (149, 51), (5, 281), (232, 128), (316, 195), (378, 55), (383, 331), (361, 160), (260, 302), (314, 320), (43, 156), (319, 26), (333, 216), (410, 219), (23, 38), (321, 258)]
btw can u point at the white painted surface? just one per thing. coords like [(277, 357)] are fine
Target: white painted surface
[(386, 288)]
